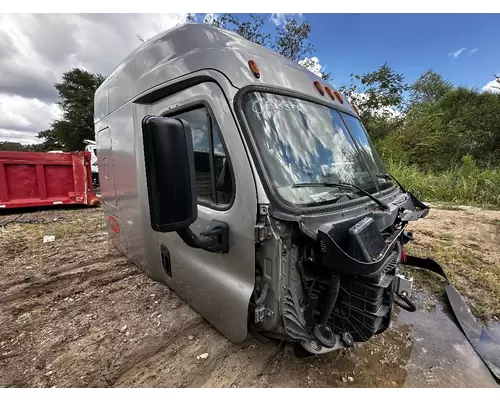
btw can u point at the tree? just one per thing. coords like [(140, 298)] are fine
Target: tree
[(379, 96), (13, 146), (76, 99), (471, 126), (375, 92), (291, 40), (429, 87), (16, 146)]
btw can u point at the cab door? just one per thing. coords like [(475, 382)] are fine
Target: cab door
[(218, 286)]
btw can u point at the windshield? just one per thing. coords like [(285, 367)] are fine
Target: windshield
[(300, 141)]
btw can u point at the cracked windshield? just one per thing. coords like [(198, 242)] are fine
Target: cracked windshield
[(299, 141)]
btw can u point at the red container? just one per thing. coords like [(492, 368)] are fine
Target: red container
[(29, 179)]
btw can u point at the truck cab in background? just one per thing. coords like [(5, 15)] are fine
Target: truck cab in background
[(91, 147)]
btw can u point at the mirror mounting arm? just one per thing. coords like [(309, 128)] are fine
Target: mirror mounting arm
[(213, 238)]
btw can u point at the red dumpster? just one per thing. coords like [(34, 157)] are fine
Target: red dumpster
[(29, 179)]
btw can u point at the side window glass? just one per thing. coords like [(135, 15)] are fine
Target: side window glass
[(213, 174)]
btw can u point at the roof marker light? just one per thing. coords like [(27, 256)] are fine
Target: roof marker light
[(339, 97), (319, 86), (330, 92), (254, 68)]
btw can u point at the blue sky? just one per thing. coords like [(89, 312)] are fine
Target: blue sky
[(410, 43)]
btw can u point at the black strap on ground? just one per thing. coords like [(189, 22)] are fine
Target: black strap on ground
[(478, 336)]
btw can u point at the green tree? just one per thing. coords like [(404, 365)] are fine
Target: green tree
[(436, 136), (429, 87), (379, 95), (376, 90), (471, 126), (292, 40), (421, 138), (16, 146), (76, 99)]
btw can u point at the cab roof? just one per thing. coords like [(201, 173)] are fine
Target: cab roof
[(188, 48)]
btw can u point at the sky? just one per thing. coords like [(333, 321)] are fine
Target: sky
[(36, 49), (463, 48)]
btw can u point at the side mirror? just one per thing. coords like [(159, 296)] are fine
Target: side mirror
[(171, 182), (170, 173)]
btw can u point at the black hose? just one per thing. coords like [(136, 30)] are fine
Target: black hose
[(405, 303), (331, 299)]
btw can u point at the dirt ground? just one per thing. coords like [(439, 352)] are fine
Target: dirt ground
[(75, 313)]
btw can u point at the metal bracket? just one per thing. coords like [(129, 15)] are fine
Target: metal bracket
[(261, 313), (262, 232), (403, 285)]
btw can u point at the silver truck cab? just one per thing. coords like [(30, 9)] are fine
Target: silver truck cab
[(250, 187)]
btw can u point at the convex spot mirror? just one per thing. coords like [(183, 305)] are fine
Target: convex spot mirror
[(170, 173)]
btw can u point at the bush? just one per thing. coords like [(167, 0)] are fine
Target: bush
[(462, 184)]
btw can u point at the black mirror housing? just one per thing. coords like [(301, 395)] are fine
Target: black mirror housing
[(170, 173)]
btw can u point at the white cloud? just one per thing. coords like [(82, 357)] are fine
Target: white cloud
[(458, 52), (493, 86), (473, 51), (7, 135), (279, 19), (313, 65), (22, 114), (36, 49)]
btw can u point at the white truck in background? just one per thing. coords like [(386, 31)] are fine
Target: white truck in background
[(92, 149)]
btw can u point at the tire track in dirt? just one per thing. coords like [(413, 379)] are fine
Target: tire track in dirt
[(64, 279), (141, 359), (226, 365)]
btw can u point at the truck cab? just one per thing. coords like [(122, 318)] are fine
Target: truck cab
[(91, 147), (251, 188)]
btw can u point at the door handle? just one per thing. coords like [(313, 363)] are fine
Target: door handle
[(217, 234), (213, 238)]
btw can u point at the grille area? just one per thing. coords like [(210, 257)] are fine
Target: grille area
[(364, 303)]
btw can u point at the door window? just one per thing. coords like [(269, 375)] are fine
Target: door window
[(214, 181)]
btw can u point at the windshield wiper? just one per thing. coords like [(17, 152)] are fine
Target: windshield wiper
[(342, 185), (324, 184), (391, 177)]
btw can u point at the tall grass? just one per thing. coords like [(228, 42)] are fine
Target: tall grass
[(464, 184)]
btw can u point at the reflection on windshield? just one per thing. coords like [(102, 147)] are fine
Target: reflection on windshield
[(300, 141), (366, 147)]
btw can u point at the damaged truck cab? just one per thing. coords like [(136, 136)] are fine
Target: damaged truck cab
[(250, 187)]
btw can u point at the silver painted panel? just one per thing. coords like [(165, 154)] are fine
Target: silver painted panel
[(218, 286), (106, 167), (194, 47)]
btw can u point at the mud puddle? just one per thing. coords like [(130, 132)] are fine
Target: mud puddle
[(441, 355)]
